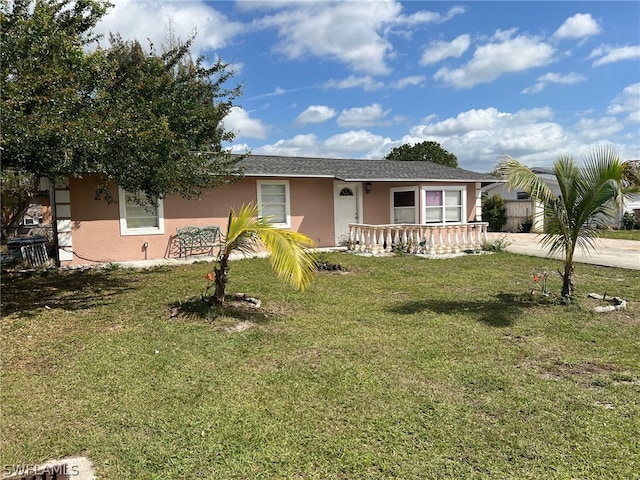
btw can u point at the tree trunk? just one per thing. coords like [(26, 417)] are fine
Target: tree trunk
[(221, 276), (567, 280)]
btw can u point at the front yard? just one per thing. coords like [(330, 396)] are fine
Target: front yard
[(396, 367)]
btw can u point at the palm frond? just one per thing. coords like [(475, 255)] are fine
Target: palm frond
[(290, 256), (520, 176), (289, 251)]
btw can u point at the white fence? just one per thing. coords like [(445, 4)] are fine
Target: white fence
[(411, 238)]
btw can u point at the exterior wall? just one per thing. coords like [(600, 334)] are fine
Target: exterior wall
[(377, 204), (96, 224)]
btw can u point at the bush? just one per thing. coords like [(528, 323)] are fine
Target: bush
[(500, 244), (628, 221), (494, 211)]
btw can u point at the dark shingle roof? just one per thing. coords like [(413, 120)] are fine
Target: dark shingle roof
[(354, 170)]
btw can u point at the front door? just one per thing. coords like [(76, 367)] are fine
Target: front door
[(347, 201)]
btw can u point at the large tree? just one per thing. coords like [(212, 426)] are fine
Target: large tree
[(147, 121), (588, 196), (425, 151)]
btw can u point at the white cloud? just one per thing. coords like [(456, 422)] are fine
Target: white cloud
[(579, 26), (591, 129), (354, 33), (367, 83), (559, 78), (411, 81), (239, 122), (440, 50), (479, 138), (504, 54), (362, 116), (607, 54), (315, 114), (150, 19), (353, 141), (328, 30), (628, 102), (426, 17), (352, 144)]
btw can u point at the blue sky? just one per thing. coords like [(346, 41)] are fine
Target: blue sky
[(534, 80)]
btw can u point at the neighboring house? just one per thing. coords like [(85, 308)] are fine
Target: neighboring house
[(632, 204), (320, 197), (522, 210)]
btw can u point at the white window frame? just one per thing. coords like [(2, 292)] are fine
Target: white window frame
[(416, 199), (287, 200), (435, 188), (124, 230)]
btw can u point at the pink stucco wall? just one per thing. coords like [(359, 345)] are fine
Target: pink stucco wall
[(96, 224), (377, 204)]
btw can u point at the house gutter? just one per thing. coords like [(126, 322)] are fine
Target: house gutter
[(374, 179)]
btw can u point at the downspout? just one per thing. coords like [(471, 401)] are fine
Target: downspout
[(54, 221)]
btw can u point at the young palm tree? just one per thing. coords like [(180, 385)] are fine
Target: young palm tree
[(588, 197), (289, 251)]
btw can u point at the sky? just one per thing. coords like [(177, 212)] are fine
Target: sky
[(354, 79)]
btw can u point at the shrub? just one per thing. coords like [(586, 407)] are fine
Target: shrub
[(500, 244), (628, 221), (494, 211)]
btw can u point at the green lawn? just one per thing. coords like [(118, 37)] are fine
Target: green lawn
[(398, 367), (621, 234)]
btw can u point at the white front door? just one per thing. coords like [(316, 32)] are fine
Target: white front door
[(347, 203)]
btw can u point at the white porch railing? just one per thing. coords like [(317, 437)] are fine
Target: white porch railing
[(411, 238)]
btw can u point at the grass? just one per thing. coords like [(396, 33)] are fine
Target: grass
[(397, 367), (621, 234)]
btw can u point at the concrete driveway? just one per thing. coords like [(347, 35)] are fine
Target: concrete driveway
[(608, 252)]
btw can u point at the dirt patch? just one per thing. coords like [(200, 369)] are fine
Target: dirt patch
[(589, 374), (240, 327)]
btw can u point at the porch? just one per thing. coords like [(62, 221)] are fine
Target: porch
[(413, 238)]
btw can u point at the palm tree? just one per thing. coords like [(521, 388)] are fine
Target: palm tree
[(289, 251), (588, 196)]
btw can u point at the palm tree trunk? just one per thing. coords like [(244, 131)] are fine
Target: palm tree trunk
[(221, 273), (567, 276), (567, 280)]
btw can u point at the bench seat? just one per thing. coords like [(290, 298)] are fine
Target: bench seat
[(198, 239)]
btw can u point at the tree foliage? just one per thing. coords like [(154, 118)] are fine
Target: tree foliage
[(425, 151), (494, 211), (587, 201), (17, 191), (147, 121), (289, 251)]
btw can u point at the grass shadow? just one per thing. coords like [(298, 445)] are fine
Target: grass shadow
[(502, 310), (25, 293), (236, 307)]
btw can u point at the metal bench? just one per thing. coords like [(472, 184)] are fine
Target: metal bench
[(198, 239)]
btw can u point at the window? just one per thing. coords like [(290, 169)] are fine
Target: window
[(140, 218), (444, 205), (522, 196), (273, 201), (404, 206)]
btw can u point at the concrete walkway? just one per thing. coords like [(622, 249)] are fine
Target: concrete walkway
[(608, 252)]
